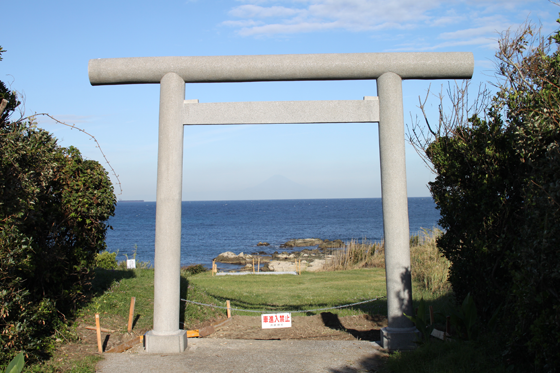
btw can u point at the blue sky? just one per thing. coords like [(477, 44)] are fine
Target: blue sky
[(49, 45)]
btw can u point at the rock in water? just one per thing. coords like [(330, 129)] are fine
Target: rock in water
[(301, 242), (231, 258)]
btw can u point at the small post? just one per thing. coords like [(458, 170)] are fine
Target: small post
[(228, 309), (131, 313), (253, 265), (213, 267), (431, 315), (98, 329), (259, 264)]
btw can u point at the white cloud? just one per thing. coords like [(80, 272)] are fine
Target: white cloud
[(250, 11), (443, 23), (244, 23), (312, 15), (471, 32)]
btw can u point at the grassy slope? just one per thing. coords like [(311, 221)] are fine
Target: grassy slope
[(113, 290), (289, 293)]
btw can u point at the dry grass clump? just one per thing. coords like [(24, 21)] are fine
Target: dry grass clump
[(429, 268), (357, 255)]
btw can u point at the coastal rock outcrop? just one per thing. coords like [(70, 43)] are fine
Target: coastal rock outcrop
[(309, 259), (263, 244), (326, 244), (231, 258), (302, 242)]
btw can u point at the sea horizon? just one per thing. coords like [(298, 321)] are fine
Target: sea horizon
[(215, 226)]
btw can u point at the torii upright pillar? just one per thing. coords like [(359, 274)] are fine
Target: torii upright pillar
[(166, 335)]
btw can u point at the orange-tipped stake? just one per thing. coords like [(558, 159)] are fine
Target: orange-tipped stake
[(131, 313), (98, 328), (228, 309)]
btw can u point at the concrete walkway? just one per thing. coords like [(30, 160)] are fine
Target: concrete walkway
[(248, 356)]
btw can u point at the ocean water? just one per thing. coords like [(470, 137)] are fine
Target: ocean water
[(212, 227)]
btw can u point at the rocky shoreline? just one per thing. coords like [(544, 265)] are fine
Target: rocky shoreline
[(309, 259)]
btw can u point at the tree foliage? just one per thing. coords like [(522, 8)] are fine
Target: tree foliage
[(498, 192), (53, 211)]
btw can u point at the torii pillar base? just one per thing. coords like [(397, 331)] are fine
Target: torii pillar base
[(395, 339), (165, 344)]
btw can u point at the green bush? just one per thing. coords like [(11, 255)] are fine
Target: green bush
[(106, 260), (53, 209), (498, 192), (194, 269)]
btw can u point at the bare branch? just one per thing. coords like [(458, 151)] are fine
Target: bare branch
[(73, 126), (3, 105)]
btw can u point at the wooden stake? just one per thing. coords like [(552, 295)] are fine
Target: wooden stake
[(228, 309), (253, 265), (98, 327), (213, 267), (259, 264), (431, 315), (131, 313)]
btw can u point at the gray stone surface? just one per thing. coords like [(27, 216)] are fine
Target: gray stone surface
[(336, 66), (269, 112), (167, 259), (395, 206), (248, 356), (159, 344), (399, 338)]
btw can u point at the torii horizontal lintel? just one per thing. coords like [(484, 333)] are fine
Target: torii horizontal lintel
[(283, 67), (277, 112)]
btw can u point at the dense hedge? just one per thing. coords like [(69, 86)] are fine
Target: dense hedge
[(53, 211), (498, 192)]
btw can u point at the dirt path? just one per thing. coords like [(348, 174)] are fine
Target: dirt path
[(326, 326)]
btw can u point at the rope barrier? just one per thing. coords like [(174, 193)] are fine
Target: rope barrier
[(298, 311)]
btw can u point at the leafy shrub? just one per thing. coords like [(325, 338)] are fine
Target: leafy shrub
[(106, 260), (194, 269), (53, 209), (498, 194)]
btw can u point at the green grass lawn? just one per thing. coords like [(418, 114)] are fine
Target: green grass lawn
[(112, 290), (276, 293)]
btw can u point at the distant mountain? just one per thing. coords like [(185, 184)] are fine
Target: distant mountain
[(278, 187)]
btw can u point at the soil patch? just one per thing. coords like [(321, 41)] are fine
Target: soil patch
[(325, 326)]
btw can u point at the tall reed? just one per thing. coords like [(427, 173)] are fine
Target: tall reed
[(357, 254), (429, 268)]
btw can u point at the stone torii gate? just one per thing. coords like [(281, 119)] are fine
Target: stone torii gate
[(389, 69)]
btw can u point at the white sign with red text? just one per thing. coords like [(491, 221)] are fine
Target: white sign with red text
[(276, 320)]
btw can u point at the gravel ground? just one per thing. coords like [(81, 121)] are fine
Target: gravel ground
[(247, 356)]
